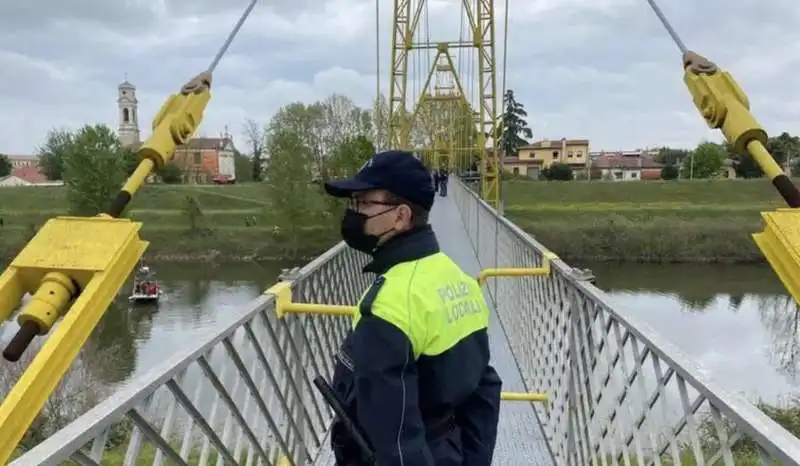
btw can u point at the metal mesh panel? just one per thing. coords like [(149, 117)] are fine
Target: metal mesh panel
[(245, 396), (618, 392)]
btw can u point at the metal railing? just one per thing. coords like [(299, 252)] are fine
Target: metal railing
[(243, 396), (618, 392)]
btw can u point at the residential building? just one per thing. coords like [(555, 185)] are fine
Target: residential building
[(625, 166), (21, 161), (206, 160), (11, 180), (203, 160), (534, 157), (728, 170), (25, 172)]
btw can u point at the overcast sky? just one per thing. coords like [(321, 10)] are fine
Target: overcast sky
[(599, 69)]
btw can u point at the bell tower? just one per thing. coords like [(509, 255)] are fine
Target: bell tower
[(128, 130)]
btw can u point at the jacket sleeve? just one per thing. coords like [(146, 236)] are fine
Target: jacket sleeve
[(387, 393), (478, 416)]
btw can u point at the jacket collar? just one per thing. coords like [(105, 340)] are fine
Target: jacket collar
[(408, 246)]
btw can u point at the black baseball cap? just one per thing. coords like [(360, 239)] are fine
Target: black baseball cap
[(398, 172)]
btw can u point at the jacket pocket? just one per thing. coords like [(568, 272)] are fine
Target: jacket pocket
[(343, 383), (343, 378)]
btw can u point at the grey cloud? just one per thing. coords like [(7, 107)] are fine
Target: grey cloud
[(41, 14), (602, 69)]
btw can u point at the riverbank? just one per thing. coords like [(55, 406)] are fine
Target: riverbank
[(234, 223), (703, 221)]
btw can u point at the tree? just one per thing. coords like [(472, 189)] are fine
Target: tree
[(350, 155), (342, 119), (558, 172), (785, 150), (669, 156), (669, 172), (743, 164), (256, 138), (305, 122), (51, 153), (296, 202), (130, 160), (705, 161), (243, 165), (784, 147), (515, 129), (323, 125), (171, 174), (193, 213), (5, 165), (94, 165)]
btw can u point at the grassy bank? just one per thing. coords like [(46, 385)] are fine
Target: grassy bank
[(236, 222), (686, 221)]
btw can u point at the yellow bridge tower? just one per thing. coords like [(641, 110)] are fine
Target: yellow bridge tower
[(450, 120)]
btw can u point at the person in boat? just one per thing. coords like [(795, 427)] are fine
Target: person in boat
[(414, 371)]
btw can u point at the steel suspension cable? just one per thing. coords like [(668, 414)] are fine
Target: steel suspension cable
[(231, 36), (376, 105), (496, 138), (670, 30)]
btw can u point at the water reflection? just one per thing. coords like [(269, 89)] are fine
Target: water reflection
[(781, 317), (197, 300), (737, 322)]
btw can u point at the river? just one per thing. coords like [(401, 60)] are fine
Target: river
[(136, 338), (735, 321)]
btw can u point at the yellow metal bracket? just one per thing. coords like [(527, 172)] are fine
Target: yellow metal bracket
[(283, 303), (724, 105), (542, 271), (83, 261), (75, 266), (780, 243)]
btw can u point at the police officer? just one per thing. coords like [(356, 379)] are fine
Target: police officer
[(414, 372)]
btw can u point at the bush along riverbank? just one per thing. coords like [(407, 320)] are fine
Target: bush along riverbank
[(220, 244), (707, 221)]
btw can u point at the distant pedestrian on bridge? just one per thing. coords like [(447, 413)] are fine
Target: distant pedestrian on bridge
[(444, 177), (414, 372)]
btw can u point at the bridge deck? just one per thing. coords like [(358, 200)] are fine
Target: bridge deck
[(520, 438)]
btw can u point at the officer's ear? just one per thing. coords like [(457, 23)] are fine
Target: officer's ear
[(405, 216)]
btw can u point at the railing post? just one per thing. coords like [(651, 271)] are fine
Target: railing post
[(573, 389), (299, 373)]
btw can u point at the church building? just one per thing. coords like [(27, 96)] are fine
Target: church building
[(202, 160)]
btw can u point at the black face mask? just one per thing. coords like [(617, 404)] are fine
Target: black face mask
[(353, 231)]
